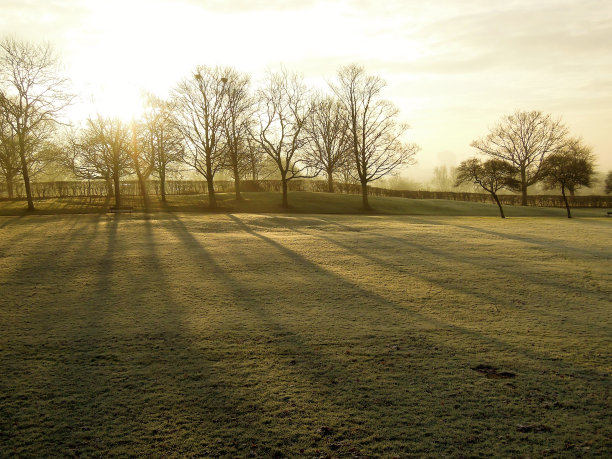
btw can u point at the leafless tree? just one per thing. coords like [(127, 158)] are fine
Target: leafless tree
[(255, 159), (569, 168), (238, 124), (102, 151), (9, 155), (328, 139), (32, 96), (523, 140), (200, 111), (162, 144), (492, 176), (375, 135), (284, 108)]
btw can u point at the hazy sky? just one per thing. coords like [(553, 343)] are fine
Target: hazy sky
[(454, 67)]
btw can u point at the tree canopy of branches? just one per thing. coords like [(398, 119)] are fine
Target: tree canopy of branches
[(162, 144), (327, 130), (284, 108), (492, 176), (570, 168), (200, 115), (102, 151), (374, 133), (238, 124), (523, 139), (32, 96)]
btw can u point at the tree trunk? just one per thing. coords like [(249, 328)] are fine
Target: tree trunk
[(212, 199), (25, 173), (364, 196), (285, 197), (237, 182), (162, 183), (9, 187), (523, 188), (330, 182), (143, 189), (117, 190), (569, 215), (501, 210)]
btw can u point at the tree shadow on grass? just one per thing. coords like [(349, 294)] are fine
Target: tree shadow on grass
[(400, 311)]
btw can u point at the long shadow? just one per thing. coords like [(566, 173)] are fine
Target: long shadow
[(396, 308), (497, 299), (9, 220), (546, 243), (527, 273)]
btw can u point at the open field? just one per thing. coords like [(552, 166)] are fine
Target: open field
[(300, 202), (270, 335)]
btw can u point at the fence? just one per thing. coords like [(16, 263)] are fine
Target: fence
[(99, 188)]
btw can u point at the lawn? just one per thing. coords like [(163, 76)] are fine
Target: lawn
[(300, 201), (239, 334)]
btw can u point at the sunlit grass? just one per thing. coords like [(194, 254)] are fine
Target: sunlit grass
[(240, 334)]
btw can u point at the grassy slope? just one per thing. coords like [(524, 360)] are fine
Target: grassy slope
[(301, 202), (237, 335)]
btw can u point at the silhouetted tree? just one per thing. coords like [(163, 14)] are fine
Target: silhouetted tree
[(255, 159), (374, 134), (284, 108), (32, 95), (492, 176), (608, 183), (575, 147), (102, 151), (162, 143), (328, 139), (570, 168), (523, 140), (200, 112), (238, 124), (9, 155)]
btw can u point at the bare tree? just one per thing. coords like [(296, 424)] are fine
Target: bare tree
[(328, 139), (162, 142), (9, 155), (284, 108), (570, 168), (238, 124), (492, 176), (200, 118), (523, 140), (375, 139), (608, 183), (32, 95), (102, 151), (255, 159)]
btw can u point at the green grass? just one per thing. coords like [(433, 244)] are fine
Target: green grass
[(304, 335), (300, 202)]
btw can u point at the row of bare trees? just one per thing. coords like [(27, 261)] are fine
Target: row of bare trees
[(526, 148), (213, 120)]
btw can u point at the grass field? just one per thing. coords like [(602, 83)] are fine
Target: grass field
[(300, 202), (315, 335)]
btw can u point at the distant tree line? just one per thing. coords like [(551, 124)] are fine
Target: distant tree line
[(216, 122)]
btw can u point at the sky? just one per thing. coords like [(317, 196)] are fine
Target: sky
[(453, 68)]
